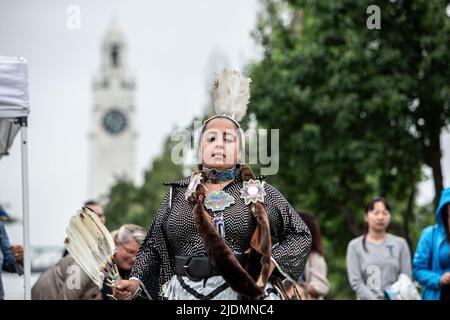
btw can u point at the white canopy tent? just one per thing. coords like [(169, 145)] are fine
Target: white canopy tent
[(14, 110)]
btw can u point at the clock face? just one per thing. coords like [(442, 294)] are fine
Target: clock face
[(114, 122)]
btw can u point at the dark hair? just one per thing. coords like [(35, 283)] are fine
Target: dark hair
[(369, 207), (444, 217), (314, 228), (91, 203)]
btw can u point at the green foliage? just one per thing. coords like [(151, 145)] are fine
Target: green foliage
[(360, 113), (359, 110), (129, 203)]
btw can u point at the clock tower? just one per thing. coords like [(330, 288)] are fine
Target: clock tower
[(112, 138)]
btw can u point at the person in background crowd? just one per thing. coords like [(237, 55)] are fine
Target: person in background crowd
[(66, 280), (128, 239), (376, 259), (316, 283), (98, 209), (11, 257), (432, 258)]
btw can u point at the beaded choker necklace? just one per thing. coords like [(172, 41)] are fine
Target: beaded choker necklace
[(216, 176)]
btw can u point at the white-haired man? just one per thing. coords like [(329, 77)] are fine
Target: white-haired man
[(128, 239)]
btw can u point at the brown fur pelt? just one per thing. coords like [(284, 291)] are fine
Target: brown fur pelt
[(221, 255), (261, 239), (241, 280)]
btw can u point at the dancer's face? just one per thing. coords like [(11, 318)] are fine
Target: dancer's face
[(220, 144), (379, 218)]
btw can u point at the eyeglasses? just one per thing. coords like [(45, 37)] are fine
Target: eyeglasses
[(128, 250)]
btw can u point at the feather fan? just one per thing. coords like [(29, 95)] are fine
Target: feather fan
[(90, 244)]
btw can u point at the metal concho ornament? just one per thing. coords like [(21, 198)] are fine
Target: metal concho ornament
[(218, 201), (253, 191)]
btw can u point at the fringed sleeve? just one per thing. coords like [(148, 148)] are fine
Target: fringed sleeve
[(290, 236), (153, 264)]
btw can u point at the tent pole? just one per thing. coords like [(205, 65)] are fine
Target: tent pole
[(25, 209)]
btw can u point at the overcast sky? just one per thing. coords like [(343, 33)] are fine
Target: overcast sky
[(173, 47)]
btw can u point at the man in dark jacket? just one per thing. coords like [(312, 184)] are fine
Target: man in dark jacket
[(66, 280), (11, 257)]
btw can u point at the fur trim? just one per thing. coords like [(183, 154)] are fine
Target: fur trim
[(222, 257), (261, 240), (241, 280)]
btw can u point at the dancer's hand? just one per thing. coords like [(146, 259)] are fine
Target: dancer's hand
[(125, 289)]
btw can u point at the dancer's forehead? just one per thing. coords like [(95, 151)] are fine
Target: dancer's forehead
[(221, 124)]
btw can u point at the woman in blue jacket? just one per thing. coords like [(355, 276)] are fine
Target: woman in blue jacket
[(431, 263)]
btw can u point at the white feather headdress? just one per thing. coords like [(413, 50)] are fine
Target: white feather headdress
[(231, 94)]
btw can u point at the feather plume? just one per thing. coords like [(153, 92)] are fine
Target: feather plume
[(231, 94), (89, 243)]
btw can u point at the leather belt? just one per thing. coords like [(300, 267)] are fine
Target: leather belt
[(198, 268)]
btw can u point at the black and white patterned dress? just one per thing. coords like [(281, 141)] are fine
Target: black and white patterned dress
[(173, 232)]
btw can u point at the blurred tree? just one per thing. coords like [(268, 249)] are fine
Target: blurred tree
[(138, 204), (360, 111)]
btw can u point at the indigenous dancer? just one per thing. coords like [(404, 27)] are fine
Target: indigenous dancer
[(221, 233)]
